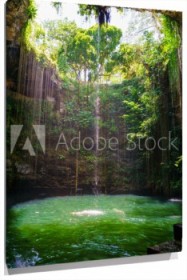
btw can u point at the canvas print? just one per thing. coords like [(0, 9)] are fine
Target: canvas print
[(93, 132)]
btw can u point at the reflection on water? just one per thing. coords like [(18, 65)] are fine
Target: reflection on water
[(68, 229), (88, 213)]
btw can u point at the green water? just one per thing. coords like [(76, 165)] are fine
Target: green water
[(66, 229)]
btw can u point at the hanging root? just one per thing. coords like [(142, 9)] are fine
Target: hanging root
[(103, 15)]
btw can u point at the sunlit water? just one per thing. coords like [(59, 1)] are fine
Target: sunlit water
[(69, 229)]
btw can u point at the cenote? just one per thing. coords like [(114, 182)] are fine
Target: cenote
[(80, 228), (82, 78)]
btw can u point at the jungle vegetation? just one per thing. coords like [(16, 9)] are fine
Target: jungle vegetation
[(139, 88)]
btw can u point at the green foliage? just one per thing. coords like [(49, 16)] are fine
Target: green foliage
[(124, 60), (78, 118), (79, 51), (94, 10), (178, 161), (84, 58), (171, 45), (31, 10), (75, 53), (88, 10), (105, 40), (170, 29), (60, 31), (148, 63), (61, 157), (34, 40), (57, 6)]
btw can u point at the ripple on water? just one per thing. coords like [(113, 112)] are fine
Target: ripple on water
[(88, 213), (67, 229)]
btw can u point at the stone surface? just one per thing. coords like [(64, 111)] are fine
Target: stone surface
[(177, 230), (16, 17), (166, 247), (23, 168)]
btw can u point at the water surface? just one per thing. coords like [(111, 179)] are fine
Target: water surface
[(69, 229)]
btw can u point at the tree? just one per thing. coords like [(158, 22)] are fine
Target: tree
[(84, 50), (105, 40), (79, 53)]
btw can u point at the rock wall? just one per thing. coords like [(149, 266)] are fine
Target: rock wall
[(25, 74), (16, 17), (37, 81)]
